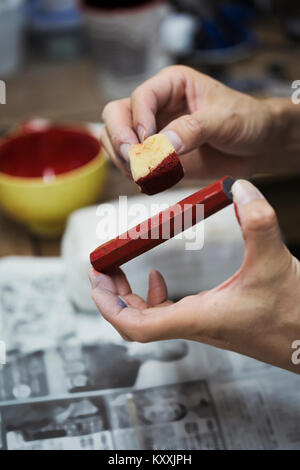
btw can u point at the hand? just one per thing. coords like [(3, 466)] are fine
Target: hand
[(256, 312), (215, 129)]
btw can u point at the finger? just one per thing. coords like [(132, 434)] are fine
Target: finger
[(109, 305), (121, 282), (118, 119), (124, 290), (116, 283), (173, 90), (259, 226), (117, 159), (102, 281), (165, 88), (159, 323), (190, 131), (187, 319), (157, 290)]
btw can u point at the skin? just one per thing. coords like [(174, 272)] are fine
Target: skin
[(221, 130), (216, 131)]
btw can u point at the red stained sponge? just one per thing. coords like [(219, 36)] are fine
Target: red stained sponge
[(155, 165)]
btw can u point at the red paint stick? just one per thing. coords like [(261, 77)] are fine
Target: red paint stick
[(163, 226)]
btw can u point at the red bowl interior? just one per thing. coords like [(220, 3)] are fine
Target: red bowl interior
[(40, 154)]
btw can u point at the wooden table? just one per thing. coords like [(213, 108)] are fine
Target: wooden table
[(69, 91)]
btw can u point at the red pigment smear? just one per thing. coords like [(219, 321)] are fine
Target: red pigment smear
[(164, 176), (53, 151)]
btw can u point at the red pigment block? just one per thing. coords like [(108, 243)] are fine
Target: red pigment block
[(152, 232), (155, 165)]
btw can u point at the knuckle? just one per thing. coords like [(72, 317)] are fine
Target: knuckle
[(269, 218), (109, 108), (234, 119), (232, 129), (262, 218), (191, 123), (189, 127), (173, 69)]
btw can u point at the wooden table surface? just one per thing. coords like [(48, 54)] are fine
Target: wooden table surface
[(43, 89)]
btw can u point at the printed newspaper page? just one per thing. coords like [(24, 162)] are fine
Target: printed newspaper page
[(71, 382)]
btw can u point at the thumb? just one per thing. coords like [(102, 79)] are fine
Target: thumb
[(258, 223), (188, 132)]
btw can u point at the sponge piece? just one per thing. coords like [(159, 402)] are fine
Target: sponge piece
[(155, 165)]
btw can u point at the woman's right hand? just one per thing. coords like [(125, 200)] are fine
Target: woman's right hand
[(214, 129)]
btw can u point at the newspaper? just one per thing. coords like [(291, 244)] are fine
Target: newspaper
[(71, 382)]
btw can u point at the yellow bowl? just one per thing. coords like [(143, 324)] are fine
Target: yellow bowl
[(44, 205)]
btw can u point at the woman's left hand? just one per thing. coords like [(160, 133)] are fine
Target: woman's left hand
[(256, 312)]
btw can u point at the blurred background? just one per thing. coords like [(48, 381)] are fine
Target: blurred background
[(63, 60)]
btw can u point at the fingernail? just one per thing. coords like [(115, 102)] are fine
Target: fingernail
[(244, 192), (151, 131), (122, 302), (174, 139), (124, 151), (141, 133)]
